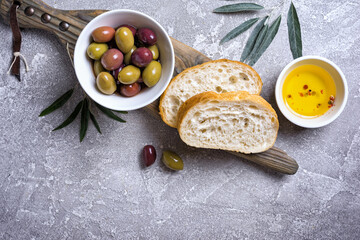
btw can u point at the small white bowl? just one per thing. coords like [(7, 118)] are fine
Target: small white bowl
[(341, 92), (83, 65)]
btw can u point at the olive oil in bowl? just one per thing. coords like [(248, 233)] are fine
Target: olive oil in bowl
[(309, 91)]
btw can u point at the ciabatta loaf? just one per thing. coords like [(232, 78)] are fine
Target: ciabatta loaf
[(219, 76), (235, 121)]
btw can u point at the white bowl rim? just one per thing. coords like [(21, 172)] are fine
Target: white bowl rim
[(302, 122), (172, 53)]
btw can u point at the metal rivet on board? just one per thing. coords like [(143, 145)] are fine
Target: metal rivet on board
[(63, 26), (45, 18), (29, 11)]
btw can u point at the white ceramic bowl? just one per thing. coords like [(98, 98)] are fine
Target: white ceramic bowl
[(341, 92), (83, 65)]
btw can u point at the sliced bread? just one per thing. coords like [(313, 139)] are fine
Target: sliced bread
[(219, 76), (235, 121)]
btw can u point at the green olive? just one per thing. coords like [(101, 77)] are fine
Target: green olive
[(155, 51), (152, 73), (106, 83), (129, 74), (98, 68), (172, 160), (96, 50), (124, 39), (127, 58)]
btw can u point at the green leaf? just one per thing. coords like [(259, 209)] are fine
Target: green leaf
[(93, 119), (58, 103), (238, 7), (270, 35), (84, 119), (71, 118), (294, 32), (109, 113), (238, 30), (252, 39), (258, 43), (123, 112)]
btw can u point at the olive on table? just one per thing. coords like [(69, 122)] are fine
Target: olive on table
[(132, 28), (130, 90), (127, 57), (129, 74), (106, 83), (103, 34), (98, 67), (146, 36), (152, 73), (115, 72), (96, 50), (112, 59), (141, 57), (124, 39), (155, 51), (149, 154), (172, 160)]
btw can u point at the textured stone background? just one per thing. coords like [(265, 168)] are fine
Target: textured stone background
[(53, 187)]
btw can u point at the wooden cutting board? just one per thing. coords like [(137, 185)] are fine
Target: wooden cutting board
[(67, 25)]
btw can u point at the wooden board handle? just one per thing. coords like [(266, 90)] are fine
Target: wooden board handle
[(67, 26)]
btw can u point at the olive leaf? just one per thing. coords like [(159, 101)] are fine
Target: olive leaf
[(294, 32), (84, 119), (238, 30), (238, 7), (93, 119), (71, 118), (258, 42), (109, 113), (123, 112), (269, 37), (58, 103), (251, 41)]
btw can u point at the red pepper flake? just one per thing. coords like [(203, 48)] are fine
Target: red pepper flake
[(322, 91), (289, 96), (301, 94), (305, 87)]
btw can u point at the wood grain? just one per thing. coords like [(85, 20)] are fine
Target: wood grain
[(275, 158)]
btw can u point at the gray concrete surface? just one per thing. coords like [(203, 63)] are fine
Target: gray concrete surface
[(53, 187)]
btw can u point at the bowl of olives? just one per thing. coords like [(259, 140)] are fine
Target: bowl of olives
[(124, 59)]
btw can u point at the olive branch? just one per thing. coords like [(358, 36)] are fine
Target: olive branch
[(85, 106), (263, 33)]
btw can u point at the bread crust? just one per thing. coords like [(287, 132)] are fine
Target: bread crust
[(162, 114), (229, 96)]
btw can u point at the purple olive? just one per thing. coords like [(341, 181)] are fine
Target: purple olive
[(115, 72), (132, 29), (146, 36), (130, 90), (149, 154), (141, 57), (112, 59)]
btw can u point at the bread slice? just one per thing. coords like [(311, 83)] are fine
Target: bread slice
[(235, 121), (219, 76)]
